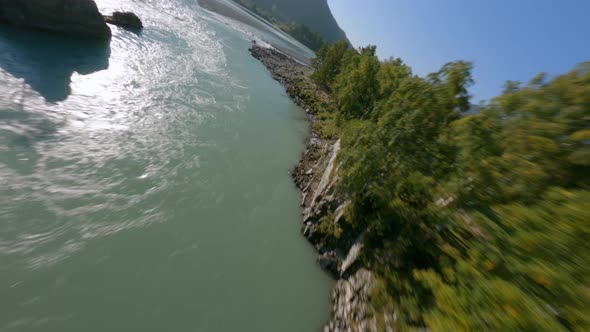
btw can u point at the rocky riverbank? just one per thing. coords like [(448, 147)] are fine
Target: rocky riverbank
[(316, 175)]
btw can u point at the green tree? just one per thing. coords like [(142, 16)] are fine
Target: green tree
[(471, 222), (329, 63), (391, 75), (454, 79), (356, 88)]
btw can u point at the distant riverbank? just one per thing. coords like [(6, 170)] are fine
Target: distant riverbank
[(224, 9)]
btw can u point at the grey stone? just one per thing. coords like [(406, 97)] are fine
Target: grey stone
[(125, 20)]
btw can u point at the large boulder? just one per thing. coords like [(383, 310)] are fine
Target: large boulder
[(72, 17), (125, 20)]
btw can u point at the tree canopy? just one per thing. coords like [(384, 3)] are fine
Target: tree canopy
[(472, 222)]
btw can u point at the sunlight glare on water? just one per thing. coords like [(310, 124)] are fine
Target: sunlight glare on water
[(145, 184)]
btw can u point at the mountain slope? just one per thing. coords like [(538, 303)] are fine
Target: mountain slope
[(315, 14)]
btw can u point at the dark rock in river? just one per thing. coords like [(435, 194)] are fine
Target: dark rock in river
[(71, 17), (125, 20)]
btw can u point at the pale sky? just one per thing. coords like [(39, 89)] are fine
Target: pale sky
[(506, 39)]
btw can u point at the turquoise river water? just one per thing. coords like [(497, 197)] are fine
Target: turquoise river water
[(144, 184)]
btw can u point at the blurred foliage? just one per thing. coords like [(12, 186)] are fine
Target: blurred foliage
[(473, 222), (328, 62), (356, 87)]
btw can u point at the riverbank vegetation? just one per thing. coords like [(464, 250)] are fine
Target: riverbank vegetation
[(471, 222)]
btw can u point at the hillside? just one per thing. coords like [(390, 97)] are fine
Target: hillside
[(314, 14)]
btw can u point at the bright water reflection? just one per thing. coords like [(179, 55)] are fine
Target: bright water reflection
[(144, 184)]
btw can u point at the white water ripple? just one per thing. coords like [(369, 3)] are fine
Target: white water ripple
[(69, 161)]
